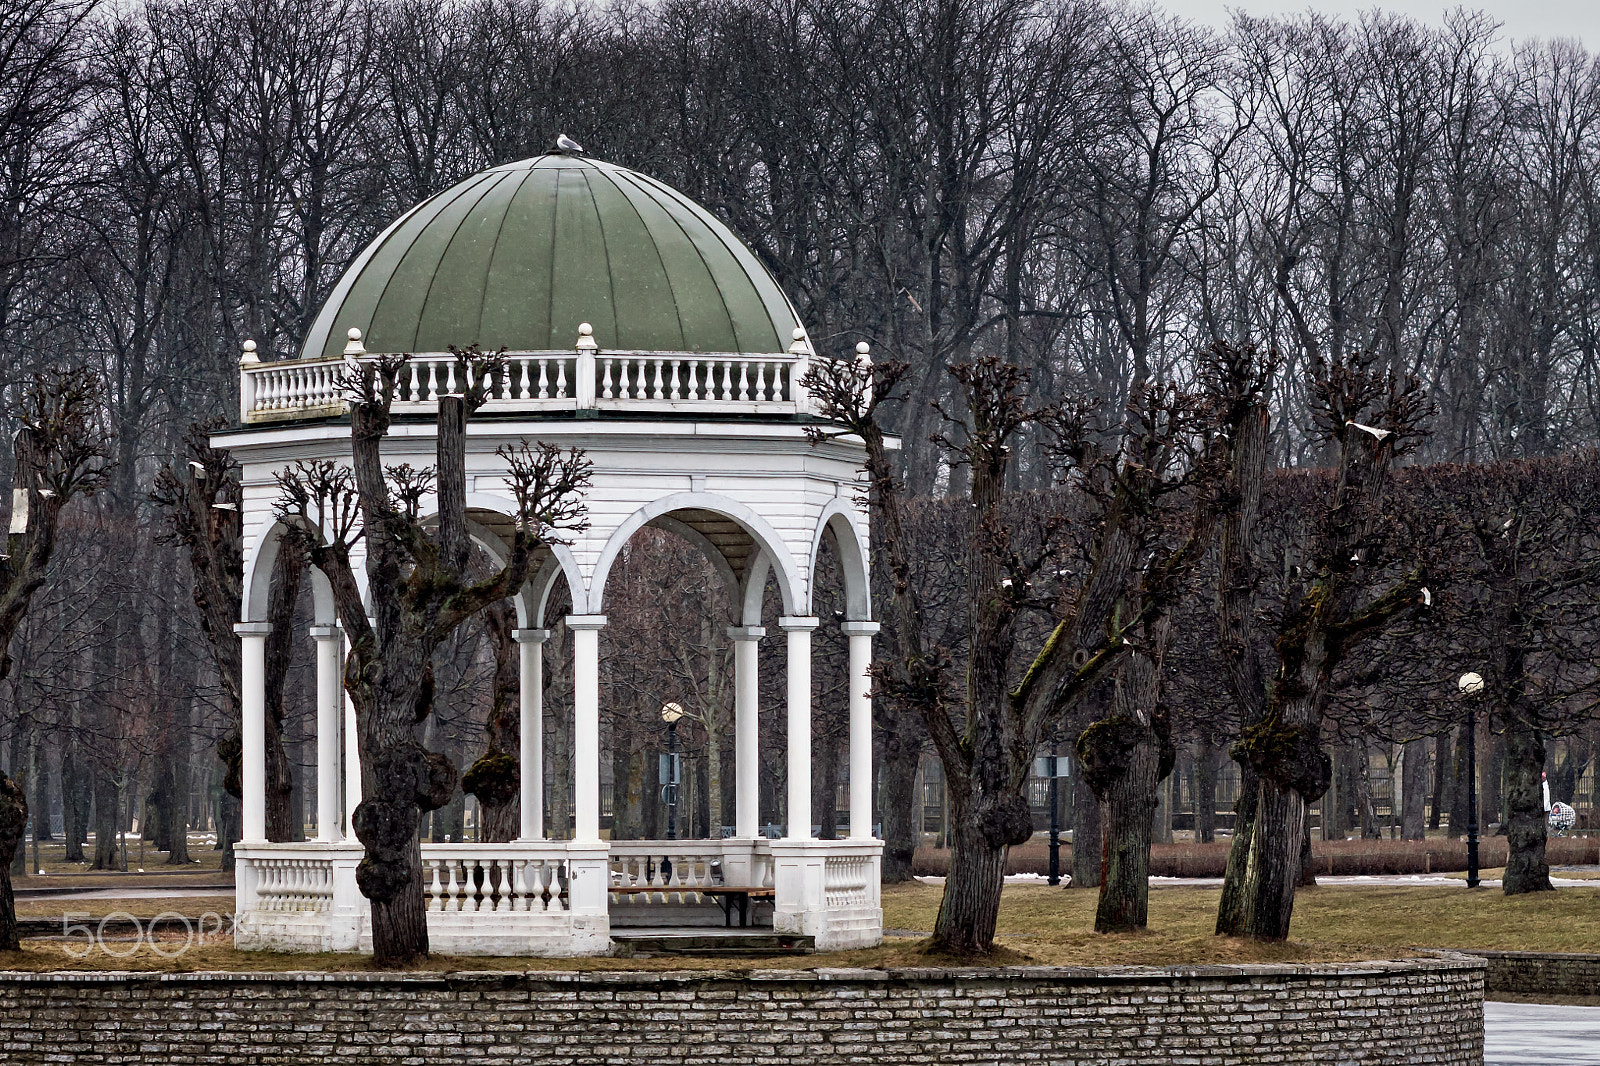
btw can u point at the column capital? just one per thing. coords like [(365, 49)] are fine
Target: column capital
[(746, 632), (327, 632), (531, 636), (860, 629), (586, 621), (253, 629), (798, 623)]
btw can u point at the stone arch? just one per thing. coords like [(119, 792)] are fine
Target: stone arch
[(260, 558), (765, 542), (840, 520)]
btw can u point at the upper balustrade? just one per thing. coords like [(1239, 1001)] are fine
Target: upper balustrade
[(581, 380)]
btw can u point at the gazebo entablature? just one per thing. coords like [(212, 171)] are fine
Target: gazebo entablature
[(749, 489)]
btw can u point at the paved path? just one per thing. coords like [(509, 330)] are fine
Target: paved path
[(1532, 1034)]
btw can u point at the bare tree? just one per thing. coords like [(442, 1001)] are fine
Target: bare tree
[(419, 594)]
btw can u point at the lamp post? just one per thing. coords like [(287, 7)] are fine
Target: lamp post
[(1471, 684), (670, 713), (1055, 812)]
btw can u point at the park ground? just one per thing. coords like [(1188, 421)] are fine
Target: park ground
[(1038, 925)]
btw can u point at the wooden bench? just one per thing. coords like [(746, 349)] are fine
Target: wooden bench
[(725, 896)]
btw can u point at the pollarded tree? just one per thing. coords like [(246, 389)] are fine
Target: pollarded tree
[(201, 496), (987, 725), (421, 590), (60, 452), (1371, 417)]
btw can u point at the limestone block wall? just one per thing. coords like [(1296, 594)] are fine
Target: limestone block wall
[(1421, 1011), (1541, 973)]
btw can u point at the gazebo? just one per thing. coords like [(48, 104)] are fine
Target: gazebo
[(640, 329)]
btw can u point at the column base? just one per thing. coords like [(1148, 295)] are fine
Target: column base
[(829, 890)]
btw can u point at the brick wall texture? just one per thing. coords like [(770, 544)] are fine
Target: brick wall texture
[(1420, 1011), (1537, 974)]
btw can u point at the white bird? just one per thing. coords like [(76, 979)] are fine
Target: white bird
[(47, 493), (1380, 434), (199, 469), (1427, 598), (224, 507), (567, 144)]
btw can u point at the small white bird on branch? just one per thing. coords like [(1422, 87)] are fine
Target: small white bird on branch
[(568, 145), (1379, 434)]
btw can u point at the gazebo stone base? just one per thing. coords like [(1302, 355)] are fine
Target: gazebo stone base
[(829, 890)]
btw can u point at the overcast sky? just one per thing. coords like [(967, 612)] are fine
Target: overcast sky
[(1518, 18)]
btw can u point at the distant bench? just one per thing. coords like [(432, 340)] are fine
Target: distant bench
[(727, 897)]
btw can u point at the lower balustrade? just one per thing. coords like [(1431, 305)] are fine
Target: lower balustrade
[(560, 898)]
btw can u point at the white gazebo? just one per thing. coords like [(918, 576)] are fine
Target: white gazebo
[(641, 330)]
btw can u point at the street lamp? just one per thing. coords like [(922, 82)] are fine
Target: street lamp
[(1050, 766), (1471, 684), (670, 713)]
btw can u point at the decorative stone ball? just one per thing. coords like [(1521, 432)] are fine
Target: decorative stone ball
[(1562, 817)]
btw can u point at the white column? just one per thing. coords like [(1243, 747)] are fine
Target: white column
[(330, 692), (586, 724), (530, 646), (253, 735), (352, 767), (860, 682), (799, 671), (746, 730)]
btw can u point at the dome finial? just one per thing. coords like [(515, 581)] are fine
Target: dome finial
[(354, 347), (799, 345), (586, 338), (249, 355), (568, 146)]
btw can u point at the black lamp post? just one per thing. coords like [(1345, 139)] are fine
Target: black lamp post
[(1055, 814), (670, 713), (1471, 684)]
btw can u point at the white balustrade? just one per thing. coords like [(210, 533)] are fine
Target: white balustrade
[(544, 381), (297, 884), (494, 878), (675, 868), (850, 880)]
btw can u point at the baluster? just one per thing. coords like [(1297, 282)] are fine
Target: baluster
[(432, 388), (267, 390), (605, 392), (544, 379), (761, 381), (518, 896), (675, 363), (561, 378), (659, 394), (727, 380), (451, 903), (693, 392), (744, 381)]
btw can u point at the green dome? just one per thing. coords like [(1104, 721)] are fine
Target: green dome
[(520, 255)]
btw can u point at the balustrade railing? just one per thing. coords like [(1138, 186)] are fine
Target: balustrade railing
[(494, 878), (285, 885), (849, 880), (674, 869), (542, 381)]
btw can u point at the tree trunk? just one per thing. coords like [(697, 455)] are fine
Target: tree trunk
[(1460, 782), (1413, 789), (1526, 867), (13, 822), (900, 810), (970, 906), (1087, 839), (1205, 791), (1231, 907), (1127, 809), (1441, 778), (1370, 829), (1308, 873)]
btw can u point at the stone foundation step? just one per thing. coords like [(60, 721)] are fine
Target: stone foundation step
[(747, 942)]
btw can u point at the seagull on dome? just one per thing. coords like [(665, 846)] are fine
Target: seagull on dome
[(567, 144), (1380, 434)]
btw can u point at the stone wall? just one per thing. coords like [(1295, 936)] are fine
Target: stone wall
[(1536, 973), (1423, 1011)]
